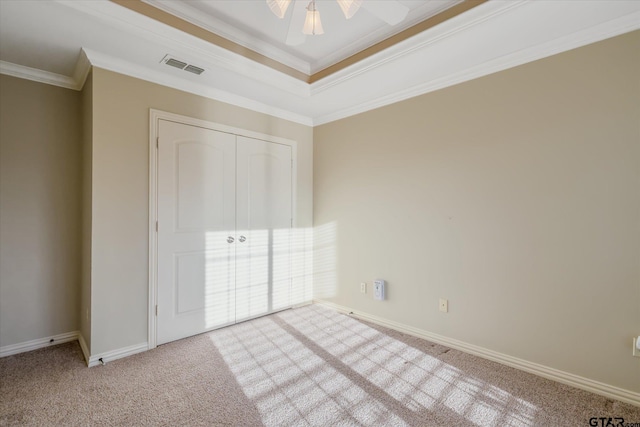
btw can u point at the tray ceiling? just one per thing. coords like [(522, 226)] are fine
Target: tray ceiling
[(55, 41), (253, 25)]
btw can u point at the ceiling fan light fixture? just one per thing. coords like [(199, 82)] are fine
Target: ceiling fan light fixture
[(278, 7), (312, 23), (349, 7)]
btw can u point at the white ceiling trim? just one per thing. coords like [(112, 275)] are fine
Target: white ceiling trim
[(183, 11), (455, 25), (184, 45), (39, 76), (581, 38), (342, 95), (81, 71), (117, 65), (75, 82), (188, 13), (372, 38)]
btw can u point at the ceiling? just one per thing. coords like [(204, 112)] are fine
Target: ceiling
[(242, 46), (253, 25)]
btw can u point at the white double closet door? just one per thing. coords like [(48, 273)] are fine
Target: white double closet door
[(224, 229)]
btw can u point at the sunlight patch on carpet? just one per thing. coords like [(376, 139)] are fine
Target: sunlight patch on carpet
[(326, 369)]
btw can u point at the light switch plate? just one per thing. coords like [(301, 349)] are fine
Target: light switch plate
[(444, 305)]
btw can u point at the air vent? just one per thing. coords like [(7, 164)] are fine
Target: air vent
[(195, 70), (173, 62)]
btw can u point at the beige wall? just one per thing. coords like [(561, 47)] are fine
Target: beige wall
[(86, 196), (516, 196), (120, 193), (39, 210)]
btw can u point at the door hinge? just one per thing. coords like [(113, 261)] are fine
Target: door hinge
[(156, 309), (158, 142), (156, 226)]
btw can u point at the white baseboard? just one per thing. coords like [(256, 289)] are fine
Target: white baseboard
[(9, 350), (302, 304), (85, 348), (573, 380), (110, 356)]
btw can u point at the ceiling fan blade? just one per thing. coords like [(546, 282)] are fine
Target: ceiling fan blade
[(295, 36), (391, 12), (278, 7)]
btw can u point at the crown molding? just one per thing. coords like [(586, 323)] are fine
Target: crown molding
[(35, 75), (117, 65), (445, 30), (184, 11), (221, 28), (355, 89), (189, 47), (74, 82), (89, 58), (376, 36), (81, 70), (575, 40)]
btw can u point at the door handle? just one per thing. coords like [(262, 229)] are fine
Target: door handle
[(230, 239), (242, 239)]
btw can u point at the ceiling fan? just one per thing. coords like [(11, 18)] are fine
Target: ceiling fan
[(390, 11)]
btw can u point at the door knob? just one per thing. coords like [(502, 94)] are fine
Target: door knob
[(242, 238), (230, 239)]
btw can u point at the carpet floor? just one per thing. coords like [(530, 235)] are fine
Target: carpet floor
[(303, 367)]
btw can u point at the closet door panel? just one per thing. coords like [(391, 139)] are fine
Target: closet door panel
[(196, 216), (263, 220)]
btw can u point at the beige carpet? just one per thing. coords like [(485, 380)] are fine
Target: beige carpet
[(308, 366)]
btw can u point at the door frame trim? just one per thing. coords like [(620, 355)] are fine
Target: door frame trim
[(154, 120)]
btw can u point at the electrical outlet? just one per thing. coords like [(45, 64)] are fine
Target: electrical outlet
[(444, 305), (636, 350), (363, 287)]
